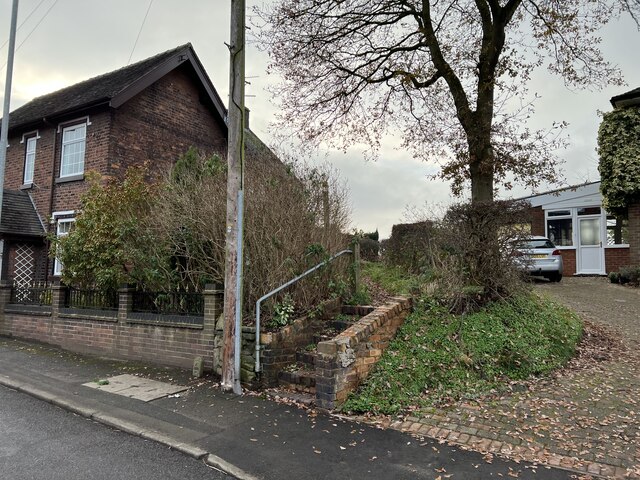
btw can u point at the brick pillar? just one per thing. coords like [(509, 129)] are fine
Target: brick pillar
[(634, 234), (5, 297), (125, 300), (58, 297), (213, 305)]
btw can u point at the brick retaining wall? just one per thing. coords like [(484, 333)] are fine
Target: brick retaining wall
[(343, 362)]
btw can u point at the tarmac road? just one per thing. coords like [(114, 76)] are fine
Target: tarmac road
[(42, 441)]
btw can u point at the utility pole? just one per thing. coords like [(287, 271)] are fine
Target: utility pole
[(4, 133), (235, 204)]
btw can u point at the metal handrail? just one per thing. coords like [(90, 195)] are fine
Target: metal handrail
[(279, 289)]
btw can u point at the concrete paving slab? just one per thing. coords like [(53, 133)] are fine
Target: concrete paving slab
[(136, 387)]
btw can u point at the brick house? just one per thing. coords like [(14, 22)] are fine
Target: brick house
[(153, 110)]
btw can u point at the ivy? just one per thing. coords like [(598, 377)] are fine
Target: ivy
[(619, 151)]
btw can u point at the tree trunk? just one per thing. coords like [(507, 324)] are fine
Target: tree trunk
[(481, 167)]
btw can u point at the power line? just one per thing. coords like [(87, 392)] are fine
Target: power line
[(140, 31), (33, 29), (23, 22)]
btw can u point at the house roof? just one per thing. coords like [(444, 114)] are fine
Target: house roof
[(586, 194), (627, 99), (114, 89), (19, 216)]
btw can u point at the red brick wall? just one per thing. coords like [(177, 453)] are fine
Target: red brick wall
[(569, 262), (537, 221), (343, 362), (163, 345), (161, 123), (66, 196), (615, 258)]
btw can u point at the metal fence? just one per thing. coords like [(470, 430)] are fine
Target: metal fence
[(34, 294), (172, 303), (91, 299)]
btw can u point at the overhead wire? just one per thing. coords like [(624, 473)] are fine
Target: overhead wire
[(140, 31), (33, 29), (23, 22)]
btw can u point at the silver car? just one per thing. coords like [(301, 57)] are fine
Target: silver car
[(540, 257)]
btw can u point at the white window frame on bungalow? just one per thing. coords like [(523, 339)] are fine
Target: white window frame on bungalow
[(68, 222), (73, 150), (560, 214), (30, 140)]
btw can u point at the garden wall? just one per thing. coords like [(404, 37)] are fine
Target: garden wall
[(166, 340), (278, 349), (343, 362)]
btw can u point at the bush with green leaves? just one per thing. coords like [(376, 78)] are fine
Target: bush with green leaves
[(109, 243), (619, 166)]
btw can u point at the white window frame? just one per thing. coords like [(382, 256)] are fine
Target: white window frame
[(571, 215), (67, 144), (29, 160), (57, 265)]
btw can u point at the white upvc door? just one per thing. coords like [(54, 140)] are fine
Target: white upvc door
[(590, 249)]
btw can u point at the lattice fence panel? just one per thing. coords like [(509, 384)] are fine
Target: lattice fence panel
[(24, 265)]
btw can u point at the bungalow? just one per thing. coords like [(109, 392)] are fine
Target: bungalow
[(150, 111), (592, 242)]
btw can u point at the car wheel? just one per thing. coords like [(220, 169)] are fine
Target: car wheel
[(555, 277)]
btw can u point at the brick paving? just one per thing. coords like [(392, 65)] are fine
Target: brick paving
[(586, 418)]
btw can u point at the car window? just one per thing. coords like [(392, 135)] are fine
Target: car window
[(536, 244)]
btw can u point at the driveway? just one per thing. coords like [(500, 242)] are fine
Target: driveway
[(587, 417)]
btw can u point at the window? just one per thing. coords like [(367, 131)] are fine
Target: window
[(589, 211), (73, 143), (560, 227), (29, 160), (63, 229), (617, 230)]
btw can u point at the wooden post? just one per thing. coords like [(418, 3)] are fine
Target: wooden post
[(235, 182)]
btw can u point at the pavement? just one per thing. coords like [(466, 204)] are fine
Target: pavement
[(586, 417), (248, 437)]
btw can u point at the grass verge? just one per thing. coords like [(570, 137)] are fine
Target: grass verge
[(437, 357)]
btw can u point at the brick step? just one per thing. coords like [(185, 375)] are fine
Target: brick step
[(301, 380), (359, 310), (306, 357)]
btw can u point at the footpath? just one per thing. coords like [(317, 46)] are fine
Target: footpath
[(248, 437)]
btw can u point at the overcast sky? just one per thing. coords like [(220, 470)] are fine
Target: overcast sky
[(66, 41)]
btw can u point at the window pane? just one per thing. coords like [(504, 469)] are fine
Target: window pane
[(559, 213), (73, 149), (560, 231), (589, 211), (617, 230), (29, 160), (590, 231)]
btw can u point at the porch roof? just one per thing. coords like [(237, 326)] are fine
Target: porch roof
[(19, 216)]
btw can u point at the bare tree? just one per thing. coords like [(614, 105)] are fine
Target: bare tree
[(451, 75)]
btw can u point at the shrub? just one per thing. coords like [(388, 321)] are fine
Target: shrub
[(614, 277), (294, 218), (369, 249), (629, 275)]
